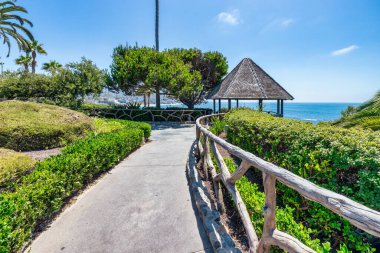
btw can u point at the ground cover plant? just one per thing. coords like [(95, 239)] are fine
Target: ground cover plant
[(12, 166), (366, 116), (34, 126), (346, 161), (43, 192)]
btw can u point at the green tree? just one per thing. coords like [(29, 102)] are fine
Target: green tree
[(52, 67), (130, 68), (78, 79), (35, 48), (12, 25), (24, 61), (211, 66)]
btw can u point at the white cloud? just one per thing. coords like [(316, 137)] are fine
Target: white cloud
[(286, 22), (344, 51), (230, 18)]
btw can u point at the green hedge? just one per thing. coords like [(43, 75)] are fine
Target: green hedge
[(342, 160), (44, 191), (13, 165)]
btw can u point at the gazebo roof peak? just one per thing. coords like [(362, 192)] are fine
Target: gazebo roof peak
[(249, 81)]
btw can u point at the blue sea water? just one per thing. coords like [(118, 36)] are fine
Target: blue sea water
[(311, 112)]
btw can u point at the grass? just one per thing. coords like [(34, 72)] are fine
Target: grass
[(365, 116), (13, 165), (33, 126)]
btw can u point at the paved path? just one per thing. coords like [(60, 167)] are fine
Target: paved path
[(143, 205)]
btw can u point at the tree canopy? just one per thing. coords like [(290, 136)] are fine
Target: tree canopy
[(184, 74)]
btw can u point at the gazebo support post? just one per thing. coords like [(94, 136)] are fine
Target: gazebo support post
[(229, 104), (214, 105), (220, 105), (282, 108), (260, 105), (278, 107), (237, 103)]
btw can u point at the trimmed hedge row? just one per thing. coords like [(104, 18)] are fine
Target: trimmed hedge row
[(342, 160), (13, 165), (43, 192)]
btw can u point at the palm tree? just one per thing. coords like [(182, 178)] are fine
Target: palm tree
[(12, 26), (52, 67), (157, 25), (158, 99), (34, 48), (25, 61)]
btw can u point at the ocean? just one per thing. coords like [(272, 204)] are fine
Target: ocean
[(311, 112)]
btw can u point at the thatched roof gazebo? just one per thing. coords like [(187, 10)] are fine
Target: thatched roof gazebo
[(247, 81)]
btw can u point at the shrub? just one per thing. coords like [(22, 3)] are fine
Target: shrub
[(366, 115), (12, 166), (32, 126), (342, 160), (110, 125), (43, 192)]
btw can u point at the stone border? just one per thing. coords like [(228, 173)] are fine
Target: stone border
[(154, 115), (220, 240)]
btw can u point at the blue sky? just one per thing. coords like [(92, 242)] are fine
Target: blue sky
[(320, 50)]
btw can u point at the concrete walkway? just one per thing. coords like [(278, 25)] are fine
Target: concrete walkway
[(143, 205)]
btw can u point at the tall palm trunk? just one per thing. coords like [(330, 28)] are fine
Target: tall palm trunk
[(158, 98), (157, 25), (34, 62)]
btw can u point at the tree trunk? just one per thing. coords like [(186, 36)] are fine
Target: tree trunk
[(148, 99), (144, 99), (34, 63), (158, 98)]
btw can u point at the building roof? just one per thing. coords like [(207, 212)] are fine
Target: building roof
[(248, 81)]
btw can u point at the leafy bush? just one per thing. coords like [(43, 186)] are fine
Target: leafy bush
[(110, 125), (12, 166), (43, 192), (32, 126), (366, 116), (342, 160), (254, 200), (67, 87)]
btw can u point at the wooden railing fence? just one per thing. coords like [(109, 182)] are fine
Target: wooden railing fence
[(357, 214)]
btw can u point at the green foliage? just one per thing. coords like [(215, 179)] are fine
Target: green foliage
[(111, 125), (67, 87), (206, 70), (12, 26), (12, 166), (43, 192), (344, 161), (365, 116), (217, 125), (33, 126), (185, 74), (254, 200)]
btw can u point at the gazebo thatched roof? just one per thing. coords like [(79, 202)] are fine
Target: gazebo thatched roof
[(248, 81)]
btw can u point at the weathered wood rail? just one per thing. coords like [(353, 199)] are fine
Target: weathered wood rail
[(357, 214)]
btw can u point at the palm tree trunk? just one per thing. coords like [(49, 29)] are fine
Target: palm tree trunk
[(34, 63), (157, 25), (158, 99)]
